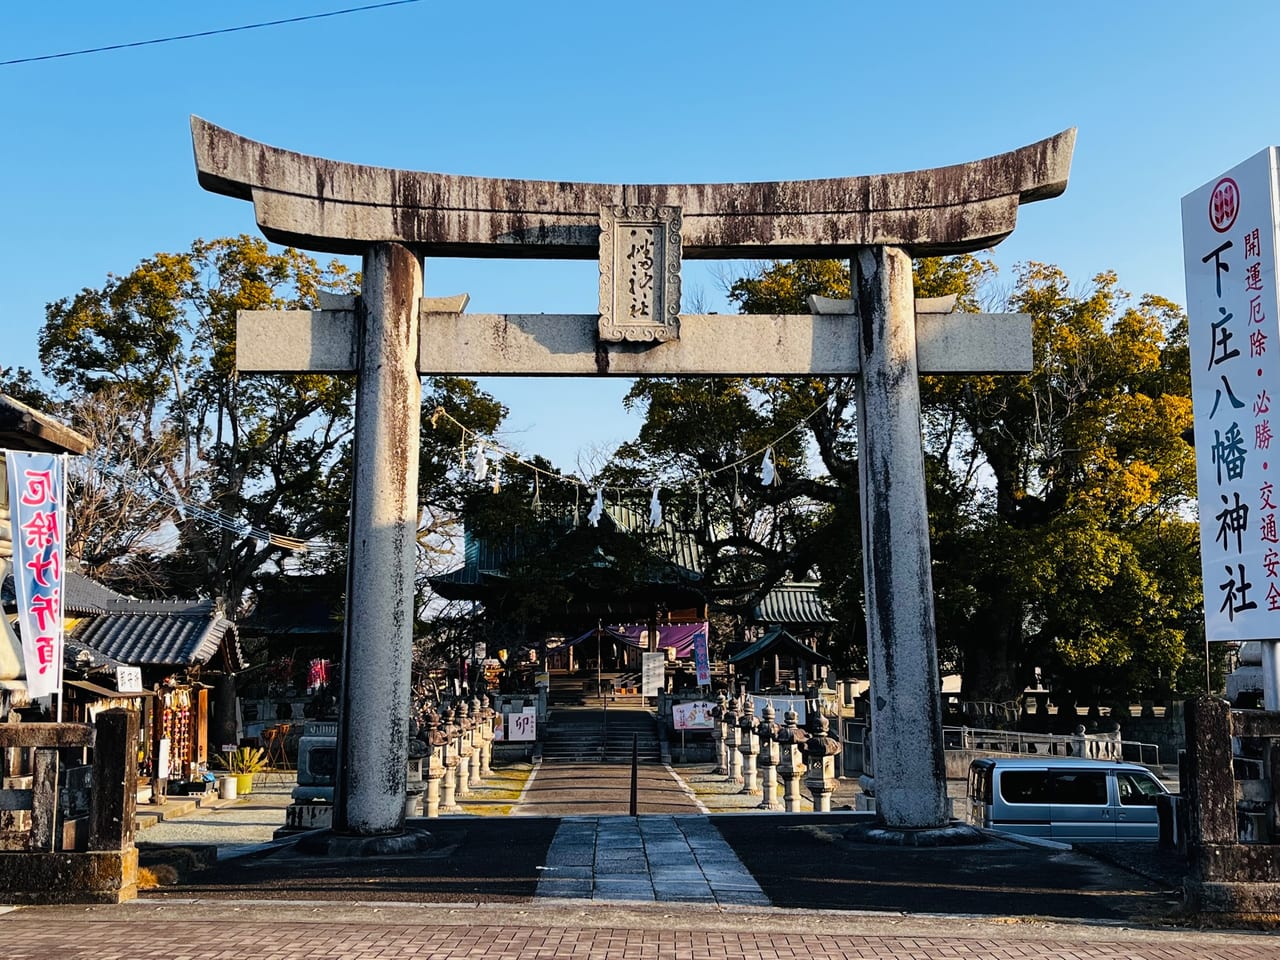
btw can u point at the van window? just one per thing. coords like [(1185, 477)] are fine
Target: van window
[(1080, 787), (1024, 786), (1137, 789)]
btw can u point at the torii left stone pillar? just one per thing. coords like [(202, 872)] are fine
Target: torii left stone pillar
[(882, 336), (373, 730)]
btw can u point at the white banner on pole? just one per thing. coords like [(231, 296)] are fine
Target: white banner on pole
[(653, 677), (38, 515), (1229, 246)]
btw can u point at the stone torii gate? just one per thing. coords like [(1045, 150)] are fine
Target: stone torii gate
[(390, 335)]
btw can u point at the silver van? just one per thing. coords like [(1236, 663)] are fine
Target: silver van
[(1060, 798)]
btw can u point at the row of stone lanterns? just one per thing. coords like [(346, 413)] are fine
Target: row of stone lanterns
[(751, 749), (450, 756)]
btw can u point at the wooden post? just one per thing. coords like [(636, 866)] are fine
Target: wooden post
[(114, 802)]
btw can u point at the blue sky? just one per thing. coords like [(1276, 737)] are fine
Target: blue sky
[(96, 170)]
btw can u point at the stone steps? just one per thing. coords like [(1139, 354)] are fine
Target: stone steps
[(585, 736)]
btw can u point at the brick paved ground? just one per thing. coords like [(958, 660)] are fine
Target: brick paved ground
[(239, 931)]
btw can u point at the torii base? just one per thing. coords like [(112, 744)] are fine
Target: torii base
[(339, 845)]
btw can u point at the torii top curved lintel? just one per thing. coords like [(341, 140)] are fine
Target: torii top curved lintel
[(333, 207)]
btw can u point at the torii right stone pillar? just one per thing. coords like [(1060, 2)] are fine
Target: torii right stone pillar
[(906, 707)]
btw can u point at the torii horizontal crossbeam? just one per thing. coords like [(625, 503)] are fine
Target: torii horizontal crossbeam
[(461, 344), (328, 206)]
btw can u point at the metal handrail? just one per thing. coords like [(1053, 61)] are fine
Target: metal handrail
[(1092, 746)]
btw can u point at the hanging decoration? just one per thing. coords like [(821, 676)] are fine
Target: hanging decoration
[(768, 474), (737, 494), (497, 479), (655, 510), (480, 465), (597, 508)]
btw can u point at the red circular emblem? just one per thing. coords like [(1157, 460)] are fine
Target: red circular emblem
[(1224, 204)]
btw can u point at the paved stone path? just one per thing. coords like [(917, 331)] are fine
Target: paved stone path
[(572, 789), (365, 931), (656, 858)]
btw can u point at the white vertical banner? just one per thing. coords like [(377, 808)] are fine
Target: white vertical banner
[(38, 509), (1229, 248), (653, 673)]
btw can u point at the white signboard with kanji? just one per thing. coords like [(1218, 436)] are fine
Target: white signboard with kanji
[(129, 679), (522, 726), (1229, 246)]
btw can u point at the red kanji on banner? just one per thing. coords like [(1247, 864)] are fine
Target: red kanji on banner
[(47, 570), (39, 490), (47, 609), (41, 530)]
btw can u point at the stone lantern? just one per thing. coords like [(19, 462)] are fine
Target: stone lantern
[(486, 729), (791, 740), (448, 762), (820, 765), (732, 758), (474, 774), (414, 783), (465, 748), (748, 745), (767, 731), (717, 734), (434, 768)]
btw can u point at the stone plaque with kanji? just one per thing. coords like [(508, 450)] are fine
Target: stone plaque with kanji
[(639, 273)]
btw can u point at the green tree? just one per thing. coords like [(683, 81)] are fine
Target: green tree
[(261, 450), (1058, 501)]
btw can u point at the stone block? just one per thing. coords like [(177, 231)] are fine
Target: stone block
[(48, 878)]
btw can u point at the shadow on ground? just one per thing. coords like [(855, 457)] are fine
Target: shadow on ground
[(481, 860), (806, 861)]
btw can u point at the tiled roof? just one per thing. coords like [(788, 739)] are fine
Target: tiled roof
[(157, 638), (82, 595), (779, 642), (793, 603), (138, 632)]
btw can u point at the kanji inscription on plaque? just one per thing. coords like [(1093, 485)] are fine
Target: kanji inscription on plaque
[(639, 273)]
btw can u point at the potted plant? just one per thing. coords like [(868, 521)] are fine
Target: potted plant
[(242, 763)]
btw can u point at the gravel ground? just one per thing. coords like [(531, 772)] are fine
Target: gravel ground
[(249, 821)]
